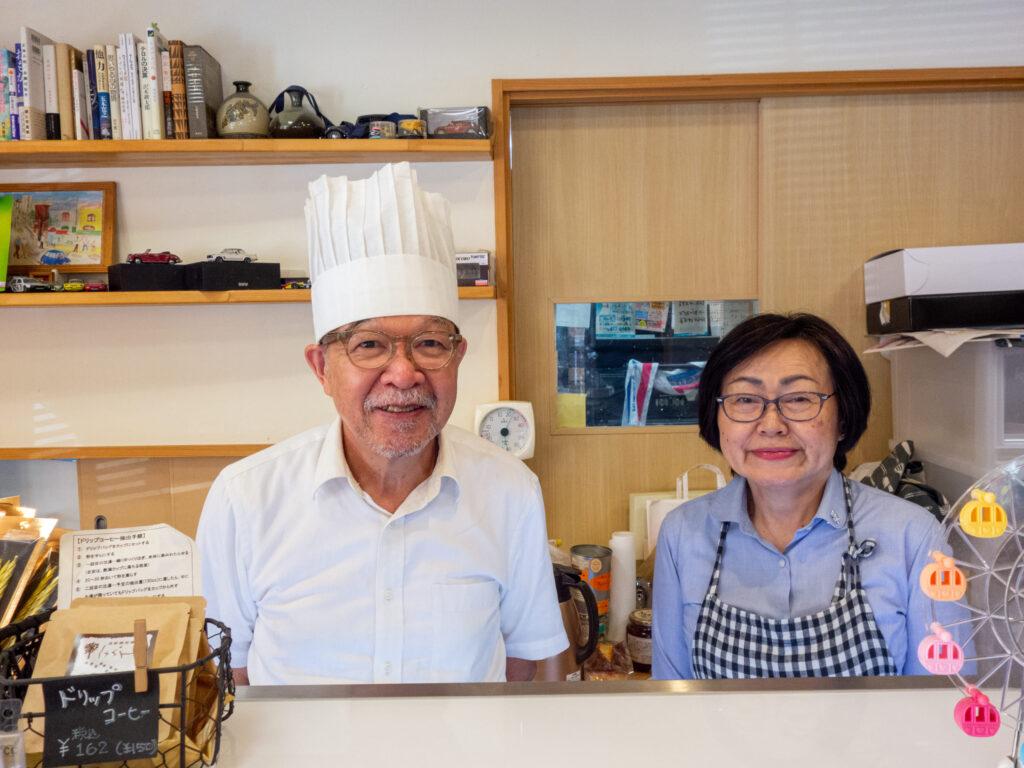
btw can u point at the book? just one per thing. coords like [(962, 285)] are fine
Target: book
[(94, 98), (65, 93), (165, 61), (204, 92), (179, 109), (102, 92), (114, 83), (18, 104), (151, 83), (125, 93), (50, 91), (80, 93), (8, 71), (131, 119), (32, 84)]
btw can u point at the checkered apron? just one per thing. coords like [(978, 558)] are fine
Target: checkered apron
[(841, 641)]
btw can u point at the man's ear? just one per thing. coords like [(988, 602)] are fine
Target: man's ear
[(317, 361)]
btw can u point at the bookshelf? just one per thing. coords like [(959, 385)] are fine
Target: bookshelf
[(213, 152), (150, 298)]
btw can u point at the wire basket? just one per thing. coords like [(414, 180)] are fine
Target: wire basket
[(205, 695)]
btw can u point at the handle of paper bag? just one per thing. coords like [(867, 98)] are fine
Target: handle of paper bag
[(683, 481), (141, 651)]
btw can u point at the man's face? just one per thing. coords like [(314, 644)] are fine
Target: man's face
[(396, 410)]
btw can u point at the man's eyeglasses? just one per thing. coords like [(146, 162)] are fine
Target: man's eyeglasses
[(429, 350), (793, 406)]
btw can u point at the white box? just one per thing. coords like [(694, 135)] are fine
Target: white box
[(965, 413), (947, 269)]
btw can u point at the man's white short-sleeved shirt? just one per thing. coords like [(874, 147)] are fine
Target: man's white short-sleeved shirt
[(320, 585)]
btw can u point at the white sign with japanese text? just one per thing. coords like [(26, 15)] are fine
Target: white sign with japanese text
[(147, 561)]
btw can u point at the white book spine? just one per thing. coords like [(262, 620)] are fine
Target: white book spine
[(33, 94), (113, 81), (80, 94), (126, 95), (155, 44), (130, 45), (50, 77)]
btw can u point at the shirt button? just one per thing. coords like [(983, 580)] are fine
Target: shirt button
[(388, 594), (782, 563), (387, 667)]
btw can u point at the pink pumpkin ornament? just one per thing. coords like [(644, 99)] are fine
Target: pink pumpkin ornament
[(939, 654), (975, 715)]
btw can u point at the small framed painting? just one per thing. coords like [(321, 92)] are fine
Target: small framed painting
[(68, 227)]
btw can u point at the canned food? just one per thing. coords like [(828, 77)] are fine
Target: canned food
[(594, 563), (411, 129), (382, 129)]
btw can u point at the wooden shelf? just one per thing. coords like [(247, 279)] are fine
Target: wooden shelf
[(129, 451), (149, 298), (170, 152)]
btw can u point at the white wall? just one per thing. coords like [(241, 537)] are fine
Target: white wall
[(230, 374)]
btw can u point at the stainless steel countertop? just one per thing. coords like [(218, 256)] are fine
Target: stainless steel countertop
[(435, 690)]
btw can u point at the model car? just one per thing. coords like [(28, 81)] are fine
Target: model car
[(96, 286), (231, 254), (21, 284), (54, 256), (148, 257), (296, 284), (458, 126), (74, 284)]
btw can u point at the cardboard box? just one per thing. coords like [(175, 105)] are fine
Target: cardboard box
[(961, 310), (948, 269), (146, 277), (231, 276), (473, 268)]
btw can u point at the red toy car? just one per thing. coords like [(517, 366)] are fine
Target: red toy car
[(458, 126), (148, 257), (97, 286)]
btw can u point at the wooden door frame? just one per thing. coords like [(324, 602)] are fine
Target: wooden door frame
[(559, 92)]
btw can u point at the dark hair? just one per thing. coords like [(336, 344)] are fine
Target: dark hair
[(852, 391)]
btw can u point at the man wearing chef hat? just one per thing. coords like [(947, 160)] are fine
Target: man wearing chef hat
[(384, 547)]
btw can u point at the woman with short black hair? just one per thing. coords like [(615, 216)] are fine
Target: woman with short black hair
[(790, 570)]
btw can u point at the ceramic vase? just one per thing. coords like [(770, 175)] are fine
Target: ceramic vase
[(296, 120), (242, 115)]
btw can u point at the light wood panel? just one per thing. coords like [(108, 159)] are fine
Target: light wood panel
[(129, 451), (121, 298), (144, 153), (623, 204), (137, 491), (846, 178)]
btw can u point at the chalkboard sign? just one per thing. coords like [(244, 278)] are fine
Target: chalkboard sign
[(100, 718)]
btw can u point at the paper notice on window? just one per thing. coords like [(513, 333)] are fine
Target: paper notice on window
[(148, 561)]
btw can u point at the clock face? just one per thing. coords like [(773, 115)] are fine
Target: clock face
[(509, 426)]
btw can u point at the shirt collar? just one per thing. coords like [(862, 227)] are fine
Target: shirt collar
[(331, 464), (732, 505)]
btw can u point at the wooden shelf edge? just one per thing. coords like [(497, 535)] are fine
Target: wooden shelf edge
[(169, 152), (151, 298), (130, 451)]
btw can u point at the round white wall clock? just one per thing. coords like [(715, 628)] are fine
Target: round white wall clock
[(508, 424)]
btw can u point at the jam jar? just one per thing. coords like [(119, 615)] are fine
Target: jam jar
[(638, 639)]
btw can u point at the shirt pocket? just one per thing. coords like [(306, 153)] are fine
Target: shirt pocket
[(468, 646)]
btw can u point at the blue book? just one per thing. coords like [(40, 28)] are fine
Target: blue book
[(19, 94), (94, 95)]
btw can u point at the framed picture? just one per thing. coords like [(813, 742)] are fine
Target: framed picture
[(68, 227)]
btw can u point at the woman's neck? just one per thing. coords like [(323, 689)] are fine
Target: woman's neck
[(778, 513)]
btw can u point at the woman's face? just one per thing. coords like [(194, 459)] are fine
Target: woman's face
[(773, 452)]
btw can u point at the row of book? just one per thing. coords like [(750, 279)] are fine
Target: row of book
[(148, 88)]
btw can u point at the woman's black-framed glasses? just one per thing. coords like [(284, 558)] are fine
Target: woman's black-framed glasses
[(429, 350), (793, 406)]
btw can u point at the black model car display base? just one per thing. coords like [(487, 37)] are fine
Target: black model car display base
[(955, 310), (231, 276), (146, 277)]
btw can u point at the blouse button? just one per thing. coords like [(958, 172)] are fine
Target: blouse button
[(782, 563)]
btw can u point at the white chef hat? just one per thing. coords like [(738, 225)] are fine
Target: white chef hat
[(379, 247)]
